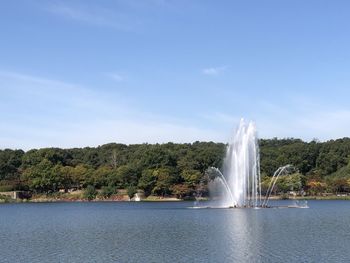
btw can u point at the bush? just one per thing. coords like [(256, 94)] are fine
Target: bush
[(90, 192), (131, 191), (107, 191), (5, 199), (284, 196)]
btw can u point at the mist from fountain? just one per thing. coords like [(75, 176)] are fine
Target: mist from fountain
[(241, 172)]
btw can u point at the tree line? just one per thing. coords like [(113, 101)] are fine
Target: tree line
[(170, 169)]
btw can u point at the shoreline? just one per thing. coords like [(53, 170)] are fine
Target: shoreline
[(154, 199), (81, 200)]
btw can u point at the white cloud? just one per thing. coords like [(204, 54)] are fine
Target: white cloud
[(305, 119), (93, 133), (40, 112), (326, 124), (214, 71), (47, 113), (93, 15), (119, 77), (323, 122)]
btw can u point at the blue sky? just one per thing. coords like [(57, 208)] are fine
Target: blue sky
[(85, 73)]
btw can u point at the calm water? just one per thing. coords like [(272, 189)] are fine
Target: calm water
[(169, 232)]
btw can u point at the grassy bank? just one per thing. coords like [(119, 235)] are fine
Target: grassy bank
[(79, 197), (331, 197)]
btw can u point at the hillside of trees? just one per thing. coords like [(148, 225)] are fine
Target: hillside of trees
[(170, 169)]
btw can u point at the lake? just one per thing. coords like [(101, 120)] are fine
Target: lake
[(170, 232)]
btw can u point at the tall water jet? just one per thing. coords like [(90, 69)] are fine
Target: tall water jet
[(239, 185), (241, 171)]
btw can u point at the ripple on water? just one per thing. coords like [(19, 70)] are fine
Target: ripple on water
[(167, 232)]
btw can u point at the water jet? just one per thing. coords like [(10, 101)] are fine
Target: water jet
[(239, 184)]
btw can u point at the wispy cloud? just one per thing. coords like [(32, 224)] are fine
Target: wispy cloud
[(42, 112), (305, 118), (116, 76), (214, 71), (93, 15), (123, 15), (47, 113)]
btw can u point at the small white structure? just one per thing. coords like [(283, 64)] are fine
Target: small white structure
[(137, 198)]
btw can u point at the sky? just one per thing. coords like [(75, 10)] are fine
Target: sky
[(85, 73)]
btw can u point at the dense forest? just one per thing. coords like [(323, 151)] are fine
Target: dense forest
[(170, 169)]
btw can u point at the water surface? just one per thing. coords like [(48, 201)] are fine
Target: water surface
[(170, 232)]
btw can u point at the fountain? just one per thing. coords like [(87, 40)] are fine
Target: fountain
[(280, 171), (240, 179), (239, 185)]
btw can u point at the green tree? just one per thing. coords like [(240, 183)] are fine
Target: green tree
[(164, 181), (66, 174), (90, 192), (43, 177), (147, 181), (182, 190), (80, 174), (293, 182), (127, 174), (10, 162), (191, 177), (108, 191), (131, 190), (101, 175)]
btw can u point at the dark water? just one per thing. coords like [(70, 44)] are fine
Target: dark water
[(169, 232)]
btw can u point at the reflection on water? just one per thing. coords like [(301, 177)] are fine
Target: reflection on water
[(238, 234), (169, 232)]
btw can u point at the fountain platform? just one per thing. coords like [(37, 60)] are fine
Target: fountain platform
[(252, 207)]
